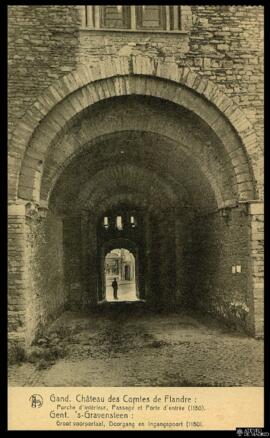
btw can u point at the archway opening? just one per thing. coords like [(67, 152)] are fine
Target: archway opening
[(170, 172), (120, 276)]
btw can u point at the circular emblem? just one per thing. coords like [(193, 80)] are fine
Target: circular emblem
[(36, 401)]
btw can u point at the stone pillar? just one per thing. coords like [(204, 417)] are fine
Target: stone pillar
[(23, 308), (17, 274), (256, 319)]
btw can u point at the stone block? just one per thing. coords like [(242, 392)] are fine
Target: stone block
[(16, 210), (256, 208)]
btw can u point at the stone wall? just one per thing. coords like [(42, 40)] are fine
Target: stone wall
[(42, 45), (256, 282), (46, 294), (226, 45), (72, 245), (219, 244), (167, 259)]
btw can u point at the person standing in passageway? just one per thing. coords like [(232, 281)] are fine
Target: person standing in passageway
[(115, 289)]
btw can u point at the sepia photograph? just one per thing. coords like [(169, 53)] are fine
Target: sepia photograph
[(135, 196)]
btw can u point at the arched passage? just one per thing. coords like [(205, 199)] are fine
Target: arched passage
[(172, 148), (46, 138)]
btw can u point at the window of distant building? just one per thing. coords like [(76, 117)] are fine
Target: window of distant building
[(149, 18)]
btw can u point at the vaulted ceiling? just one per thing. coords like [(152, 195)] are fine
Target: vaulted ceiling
[(154, 153)]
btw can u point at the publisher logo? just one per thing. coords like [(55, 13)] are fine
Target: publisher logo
[(36, 401)]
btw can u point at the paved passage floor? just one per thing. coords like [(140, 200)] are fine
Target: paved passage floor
[(119, 346), (126, 291)]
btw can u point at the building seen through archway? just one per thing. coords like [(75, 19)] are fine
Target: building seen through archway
[(120, 266)]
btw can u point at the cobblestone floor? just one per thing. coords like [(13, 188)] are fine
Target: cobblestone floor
[(126, 348)]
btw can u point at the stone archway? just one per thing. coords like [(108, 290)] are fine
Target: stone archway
[(78, 90), (53, 136)]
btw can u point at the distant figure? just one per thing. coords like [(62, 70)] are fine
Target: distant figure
[(115, 288)]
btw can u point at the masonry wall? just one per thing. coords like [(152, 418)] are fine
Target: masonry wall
[(72, 246), (218, 244), (256, 281), (46, 293), (16, 276), (166, 242), (42, 44)]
